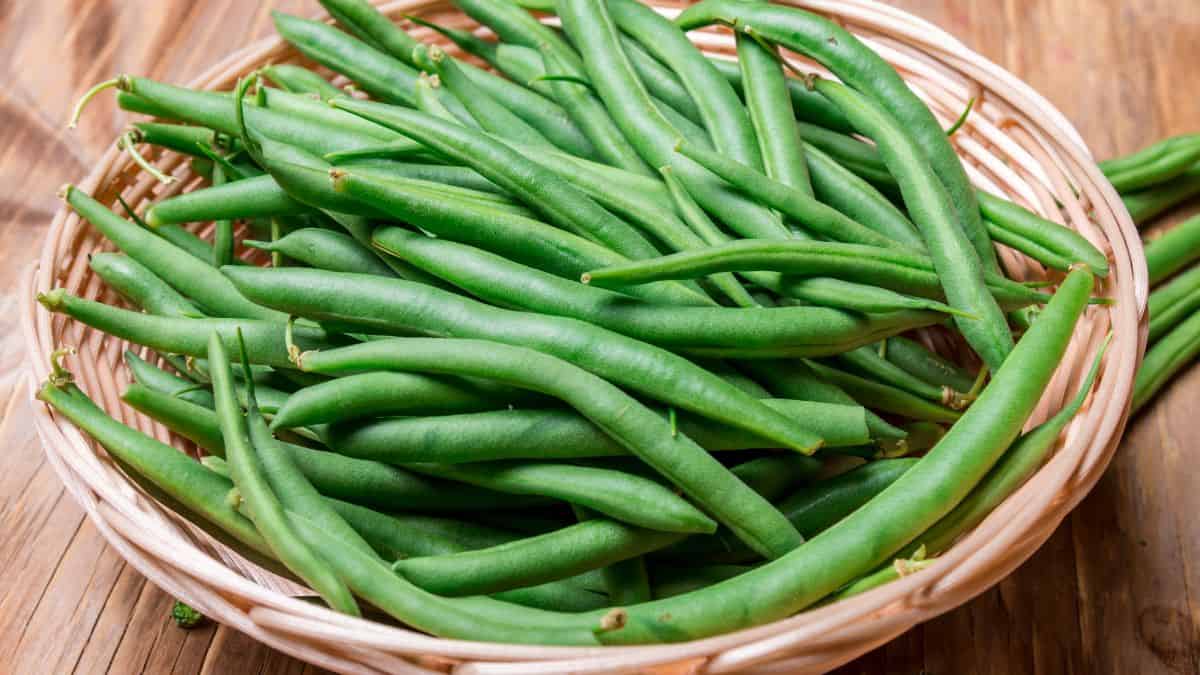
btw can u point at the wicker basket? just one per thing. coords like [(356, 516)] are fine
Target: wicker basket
[(1014, 143)]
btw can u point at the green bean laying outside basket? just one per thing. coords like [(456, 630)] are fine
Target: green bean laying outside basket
[(1177, 348), (1153, 165), (637, 428), (561, 434), (1145, 205), (1174, 250), (1173, 302), (747, 332)]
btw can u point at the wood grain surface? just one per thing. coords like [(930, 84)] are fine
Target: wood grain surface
[(1115, 590)]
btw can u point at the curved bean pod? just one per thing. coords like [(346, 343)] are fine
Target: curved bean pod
[(257, 197), (140, 286), (914, 358), (845, 191), (1062, 241), (744, 332), (637, 428), (327, 250), (867, 537)]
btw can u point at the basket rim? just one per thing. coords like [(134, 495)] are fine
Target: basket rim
[(886, 611)]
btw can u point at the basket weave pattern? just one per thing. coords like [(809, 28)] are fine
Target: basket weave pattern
[(1014, 143)]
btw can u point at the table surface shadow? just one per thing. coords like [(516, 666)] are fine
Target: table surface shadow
[(1115, 590)]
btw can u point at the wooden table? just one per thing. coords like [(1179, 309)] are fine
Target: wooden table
[(1115, 590)]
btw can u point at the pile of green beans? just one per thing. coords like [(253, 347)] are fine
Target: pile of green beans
[(611, 343)]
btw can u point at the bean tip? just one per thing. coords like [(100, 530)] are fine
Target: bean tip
[(64, 191), (52, 300), (614, 619), (59, 375), (585, 278)]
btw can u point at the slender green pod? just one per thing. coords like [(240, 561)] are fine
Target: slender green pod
[(191, 277), (622, 496), (300, 80), (841, 188), (1154, 165), (261, 503), (764, 89), (172, 335), (841, 294), (637, 428), (1145, 205), (1177, 248), (386, 394), (885, 397), (867, 537), (1006, 218), (177, 137), (1174, 350), (926, 365), (808, 105), (326, 250), (932, 206), (140, 286), (512, 236), (867, 361), (258, 197), (160, 380), (1173, 302), (898, 270), (861, 68), (743, 332), (659, 81), (558, 200), (559, 434)]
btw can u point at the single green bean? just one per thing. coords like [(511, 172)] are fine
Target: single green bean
[(884, 397), (191, 277), (1153, 165), (300, 80), (1164, 359), (845, 191), (1174, 250), (743, 332), (1173, 302), (161, 381), (764, 88), (1145, 205), (867, 361), (256, 197), (140, 286), (659, 81), (327, 250), (1063, 241), (928, 366), (841, 294)]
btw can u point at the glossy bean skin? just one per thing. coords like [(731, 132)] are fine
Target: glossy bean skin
[(167, 383), (1062, 241), (867, 361), (897, 270), (256, 197), (259, 500), (265, 339), (140, 286), (860, 67), (326, 250), (652, 135), (749, 332), (659, 81), (1174, 350), (845, 191), (867, 537), (626, 497), (390, 395), (358, 481), (558, 200), (1154, 165), (933, 208), (764, 89), (1174, 250), (186, 274), (841, 294), (552, 434), (1173, 302), (926, 365), (1145, 205), (177, 137), (804, 209), (637, 428), (521, 239), (300, 80), (885, 397)]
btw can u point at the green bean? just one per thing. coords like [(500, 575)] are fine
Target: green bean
[(669, 583), (764, 88), (1063, 241), (249, 198), (840, 294), (380, 75), (223, 243), (659, 81), (1173, 302), (355, 480), (629, 498), (186, 274), (325, 249), (926, 365), (898, 270), (176, 137), (1153, 165), (1020, 462), (842, 189), (300, 80), (777, 474), (563, 203), (930, 203), (140, 286), (808, 105), (884, 397), (866, 361), (161, 381), (445, 177), (744, 332), (318, 111), (521, 239), (551, 434), (652, 135), (263, 505), (854, 155), (180, 478), (1174, 250), (867, 537), (637, 428), (804, 209), (391, 394), (181, 335), (1164, 359), (861, 68), (1145, 205)]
